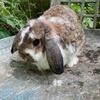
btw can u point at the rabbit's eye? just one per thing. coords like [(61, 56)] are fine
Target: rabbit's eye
[(36, 42)]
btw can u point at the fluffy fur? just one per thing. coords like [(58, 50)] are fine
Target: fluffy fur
[(59, 23)]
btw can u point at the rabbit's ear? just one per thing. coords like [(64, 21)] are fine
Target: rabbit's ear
[(54, 56), (14, 47)]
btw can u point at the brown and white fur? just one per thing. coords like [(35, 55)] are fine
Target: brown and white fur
[(51, 41)]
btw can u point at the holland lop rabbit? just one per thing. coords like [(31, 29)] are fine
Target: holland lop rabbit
[(51, 41)]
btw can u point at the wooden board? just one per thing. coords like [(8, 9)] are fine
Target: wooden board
[(18, 81)]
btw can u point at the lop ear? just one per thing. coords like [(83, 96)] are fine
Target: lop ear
[(14, 47), (54, 56)]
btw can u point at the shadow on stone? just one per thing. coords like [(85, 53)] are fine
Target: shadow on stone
[(26, 71)]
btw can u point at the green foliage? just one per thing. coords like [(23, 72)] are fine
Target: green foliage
[(88, 22), (98, 23), (15, 13), (4, 33), (76, 7), (89, 8), (11, 15)]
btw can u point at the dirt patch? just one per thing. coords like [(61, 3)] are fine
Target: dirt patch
[(92, 55), (96, 71)]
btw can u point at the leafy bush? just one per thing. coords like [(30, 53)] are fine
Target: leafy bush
[(89, 8), (11, 15), (15, 13)]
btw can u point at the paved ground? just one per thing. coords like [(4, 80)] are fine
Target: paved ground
[(19, 81)]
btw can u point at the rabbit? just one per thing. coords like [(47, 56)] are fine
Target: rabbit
[(51, 41)]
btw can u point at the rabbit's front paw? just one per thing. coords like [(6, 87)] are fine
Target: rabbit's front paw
[(73, 61)]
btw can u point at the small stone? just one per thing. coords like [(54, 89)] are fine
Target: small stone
[(57, 82)]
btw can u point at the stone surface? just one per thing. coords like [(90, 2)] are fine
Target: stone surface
[(20, 81)]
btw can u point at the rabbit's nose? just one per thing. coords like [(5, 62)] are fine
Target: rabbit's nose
[(23, 56), (28, 58)]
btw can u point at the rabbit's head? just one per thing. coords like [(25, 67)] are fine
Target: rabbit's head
[(35, 42)]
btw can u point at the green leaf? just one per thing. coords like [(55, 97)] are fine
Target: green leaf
[(4, 33), (10, 22), (76, 7), (88, 22)]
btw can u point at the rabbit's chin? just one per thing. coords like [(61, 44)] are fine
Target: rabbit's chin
[(43, 64)]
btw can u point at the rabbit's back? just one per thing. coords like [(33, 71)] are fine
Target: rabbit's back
[(67, 25), (61, 11)]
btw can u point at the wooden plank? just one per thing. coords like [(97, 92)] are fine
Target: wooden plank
[(18, 81)]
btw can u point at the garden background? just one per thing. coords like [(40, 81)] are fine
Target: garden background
[(15, 13)]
